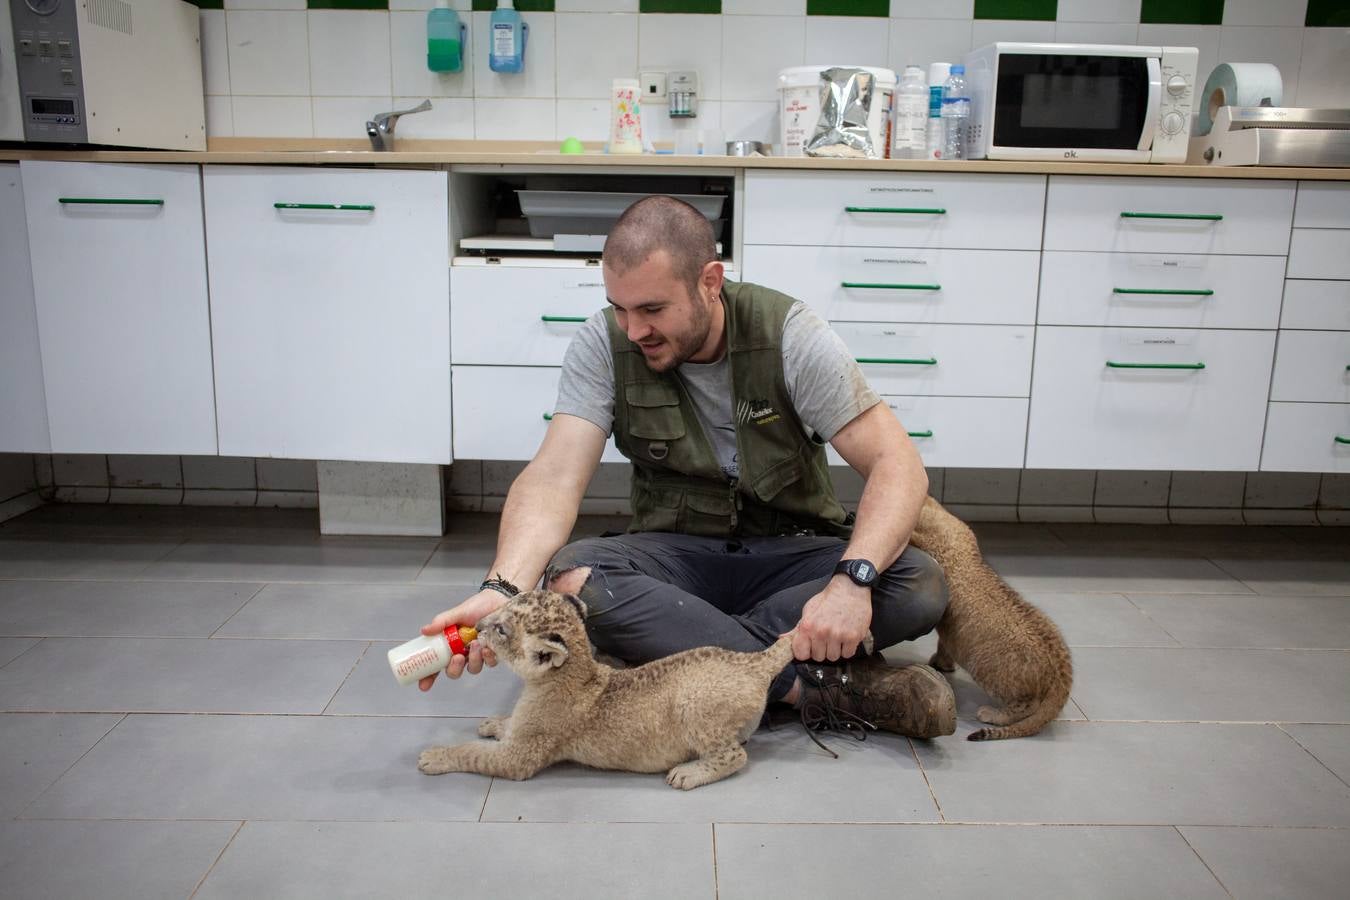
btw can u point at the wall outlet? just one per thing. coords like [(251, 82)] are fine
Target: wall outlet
[(653, 86)]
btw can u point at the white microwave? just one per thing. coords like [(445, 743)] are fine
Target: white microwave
[(1094, 102), (118, 73)]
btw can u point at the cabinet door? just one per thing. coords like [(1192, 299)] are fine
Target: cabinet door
[(961, 432), (1307, 437), (119, 275), (1132, 398), (1312, 367), (502, 412), (1320, 253), (330, 310), (527, 317), (23, 404), (941, 360)]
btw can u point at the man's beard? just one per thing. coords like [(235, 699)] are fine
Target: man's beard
[(688, 343)]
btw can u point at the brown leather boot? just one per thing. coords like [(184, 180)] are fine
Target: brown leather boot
[(858, 695)]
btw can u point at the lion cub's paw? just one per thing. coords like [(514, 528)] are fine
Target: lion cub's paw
[(435, 761), (687, 776), (493, 727)]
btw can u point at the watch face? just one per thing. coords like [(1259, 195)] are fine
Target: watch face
[(863, 571)]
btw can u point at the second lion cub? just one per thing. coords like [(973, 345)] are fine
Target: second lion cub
[(686, 715), (1008, 646)]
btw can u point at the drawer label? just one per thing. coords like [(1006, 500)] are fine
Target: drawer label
[(894, 189), (585, 284), (906, 261), (1169, 262), (1159, 340)]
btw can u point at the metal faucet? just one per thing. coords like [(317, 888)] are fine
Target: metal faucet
[(381, 128)]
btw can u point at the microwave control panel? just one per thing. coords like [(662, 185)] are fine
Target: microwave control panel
[(47, 52), (1172, 137)]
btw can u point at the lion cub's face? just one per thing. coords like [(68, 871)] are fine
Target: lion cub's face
[(536, 632)]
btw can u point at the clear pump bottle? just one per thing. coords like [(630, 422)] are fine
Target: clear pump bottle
[(507, 38)]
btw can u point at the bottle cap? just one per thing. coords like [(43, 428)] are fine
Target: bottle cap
[(958, 69)]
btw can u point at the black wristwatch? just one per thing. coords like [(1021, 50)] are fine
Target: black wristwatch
[(863, 573)]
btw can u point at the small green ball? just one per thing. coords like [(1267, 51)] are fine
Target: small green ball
[(571, 145)]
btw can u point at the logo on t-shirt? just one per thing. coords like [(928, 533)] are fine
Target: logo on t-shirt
[(756, 412)]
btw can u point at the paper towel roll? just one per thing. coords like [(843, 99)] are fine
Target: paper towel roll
[(1238, 84)]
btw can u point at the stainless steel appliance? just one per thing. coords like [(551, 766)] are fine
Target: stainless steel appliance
[(1099, 102), (122, 73), (1274, 136)]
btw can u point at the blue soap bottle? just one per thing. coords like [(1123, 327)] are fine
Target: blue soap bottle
[(506, 38), (445, 39)]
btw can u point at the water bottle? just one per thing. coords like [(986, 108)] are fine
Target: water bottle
[(955, 114), (937, 74), (911, 116)]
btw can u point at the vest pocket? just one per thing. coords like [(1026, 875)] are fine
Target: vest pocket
[(653, 411), (660, 510), (768, 485), (706, 514)]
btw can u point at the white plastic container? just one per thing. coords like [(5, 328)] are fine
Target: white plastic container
[(625, 123), (909, 134), (938, 73), (427, 655), (799, 107)]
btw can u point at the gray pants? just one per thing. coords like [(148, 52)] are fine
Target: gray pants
[(653, 594)]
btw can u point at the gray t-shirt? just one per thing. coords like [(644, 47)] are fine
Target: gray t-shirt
[(826, 386)]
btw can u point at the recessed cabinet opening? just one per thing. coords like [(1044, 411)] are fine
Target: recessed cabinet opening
[(559, 218)]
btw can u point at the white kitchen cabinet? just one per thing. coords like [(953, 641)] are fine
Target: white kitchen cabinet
[(982, 287), (894, 209), (23, 403), (502, 412), (119, 277), (1320, 253), (1312, 367), (1163, 291), (1322, 204), (1307, 437), (1168, 215), (1316, 305), (945, 360), (962, 432), (524, 316), (330, 312), (1135, 398)]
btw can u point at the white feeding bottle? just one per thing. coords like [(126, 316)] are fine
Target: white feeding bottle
[(429, 654)]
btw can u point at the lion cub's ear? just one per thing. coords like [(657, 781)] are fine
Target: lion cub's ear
[(576, 601), (547, 651)]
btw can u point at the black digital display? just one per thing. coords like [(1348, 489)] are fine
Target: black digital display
[(48, 106)]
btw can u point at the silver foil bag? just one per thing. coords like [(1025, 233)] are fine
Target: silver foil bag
[(845, 103)]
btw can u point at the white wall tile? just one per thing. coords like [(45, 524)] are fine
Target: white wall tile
[(668, 42), (596, 6), (585, 120), (514, 120), (450, 118), (850, 40), (264, 4), (598, 47), (1281, 47), (269, 54), (658, 126), (219, 117), (1099, 11), (933, 9), (1096, 33), (1324, 79), (1205, 38), (1264, 12), (918, 42), (346, 117), (408, 60), (273, 117), (459, 6), (755, 49), (349, 53), (764, 7), (215, 52), (750, 121), (539, 76), (986, 31)]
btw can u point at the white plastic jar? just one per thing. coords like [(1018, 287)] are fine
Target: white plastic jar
[(799, 107)]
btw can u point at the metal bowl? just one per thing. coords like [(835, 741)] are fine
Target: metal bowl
[(747, 148)]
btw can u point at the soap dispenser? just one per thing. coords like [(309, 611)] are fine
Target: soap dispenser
[(445, 38), (506, 47)]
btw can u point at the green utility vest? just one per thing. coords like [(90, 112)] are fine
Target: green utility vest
[(784, 485)]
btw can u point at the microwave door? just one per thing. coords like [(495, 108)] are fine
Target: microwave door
[(1154, 105), (1072, 106)]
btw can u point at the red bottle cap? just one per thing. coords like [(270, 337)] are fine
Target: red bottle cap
[(457, 647)]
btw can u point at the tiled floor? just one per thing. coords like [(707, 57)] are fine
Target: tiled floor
[(196, 703)]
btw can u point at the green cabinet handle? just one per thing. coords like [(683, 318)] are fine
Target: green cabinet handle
[(1208, 217), (345, 207), (891, 287), (930, 361), (1177, 292), (928, 433), (1134, 365), (548, 417), (1340, 439), (901, 210), (562, 318), (109, 201)]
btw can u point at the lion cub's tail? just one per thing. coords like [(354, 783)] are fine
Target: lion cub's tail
[(779, 653)]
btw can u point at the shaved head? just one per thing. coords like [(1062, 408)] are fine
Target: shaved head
[(662, 223)]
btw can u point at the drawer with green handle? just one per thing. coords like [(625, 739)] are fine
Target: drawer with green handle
[(1307, 437)]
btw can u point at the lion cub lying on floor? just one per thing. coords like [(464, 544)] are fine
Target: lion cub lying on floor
[(686, 715), (1008, 646)]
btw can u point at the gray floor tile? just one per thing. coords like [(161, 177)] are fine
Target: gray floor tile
[(366, 612), (12, 648), (1280, 577), (177, 675), (1192, 685), (1329, 743), (72, 860), (1297, 863), (119, 521), (398, 859), (755, 861), (1135, 774), (48, 557), (373, 691), (266, 767), (786, 778), (1003, 537), (1175, 540), (1248, 620), (1076, 570), (457, 564), (112, 608), (1101, 620), (319, 559), (35, 748)]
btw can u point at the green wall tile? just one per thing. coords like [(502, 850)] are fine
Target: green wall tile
[(1040, 10), (521, 5), (348, 4), (1328, 13), (1182, 12), (680, 6), (881, 8), (208, 4)]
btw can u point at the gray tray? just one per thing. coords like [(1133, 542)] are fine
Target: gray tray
[(594, 212)]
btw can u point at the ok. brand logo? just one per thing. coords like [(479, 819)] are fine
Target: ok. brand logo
[(1070, 154)]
